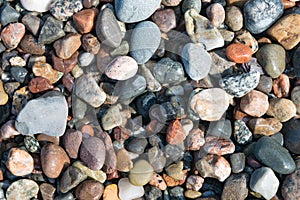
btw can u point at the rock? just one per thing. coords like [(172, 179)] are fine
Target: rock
[(137, 145), (289, 188), (62, 9), (165, 19), (220, 63), (281, 86), (240, 85), (8, 130), (241, 132), (141, 173), (156, 158), (19, 163), (152, 193), (71, 178), (67, 46), (295, 97), (221, 128), (8, 15), (257, 20), (265, 84), (51, 31), (214, 166), (192, 194), (12, 34), (245, 37), (89, 189), (90, 43), (292, 135), (128, 191), (286, 31), (84, 20), (158, 181), (47, 191), (254, 103), (237, 161), (90, 3), (67, 196), (145, 40), (121, 68), (121, 50), (271, 154), (112, 118), (282, 109), (31, 144), (97, 175), (124, 163), (36, 5), (3, 95), (30, 45), (214, 103), (196, 60), (176, 193), (195, 140), (175, 133), (194, 182), (45, 70), (22, 189), (234, 18), (71, 141), (111, 192), (46, 114), (235, 187), (107, 28), (171, 2), (130, 11), (39, 84), (201, 30), (176, 171), (191, 4), (260, 182), (218, 146), (216, 14), (65, 65), (32, 23), (239, 53), (265, 126), (272, 59)]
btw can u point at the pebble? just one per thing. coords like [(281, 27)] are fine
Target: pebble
[(8, 130), (22, 189), (36, 5), (175, 133), (121, 68), (237, 161), (295, 97), (32, 23), (12, 35), (112, 118), (240, 85), (3, 94), (176, 171), (290, 186), (53, 160), (176, 193), (261, 180), (158, 181), (89, 189), (241, 133), (8, 15), (137, 145), (121, 50), (124, 163), (191, 4), (196, 61), (65, 65), (192, 194), (30, 45), (286, 31), (71, 141), (97, 175), (39, 84), (195, 140), (257, 22), (20, 98), (282, 109), (51, 31), (255, 103), (292, 135), (90, 3), (220, 63), (20, 162), (92, 153), (221, 128), (265, 84), (71, 178), (270, 153), (63, 9), (214, 103), (281, 86), (45, 70), (171, 2), (201, 30), (127, 191), (107, 28), (214, 166), (145, 40), (156, 158), (245, 37), (272, 59), (234, 18), (47, 191), (172, 182), (67, 46), (235, 187), (110, 192), (165, 19), (265, 126), (152, 193), (141, 173), (194, 182), (90, 43), (84, 20), (239, 53), (131, 11), (46, 114), (216, 14), (218, 146)]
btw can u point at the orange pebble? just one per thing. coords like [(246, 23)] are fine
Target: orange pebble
[(239, 53)]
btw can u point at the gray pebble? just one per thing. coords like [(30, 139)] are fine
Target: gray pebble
[(237, 161), (8, 14), (51, 31), (188, 4)]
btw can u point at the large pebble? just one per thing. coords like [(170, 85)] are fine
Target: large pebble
[(51, 31), (30, 45), (265, 126), (127, 191), (89, 189), (45, 70), (63, 9), (8, 14), (218, 146), (22, 189), (12, 35), (141, 173), (46, 114), (130, 11), (270, 153), (145, 40), (121, 68), (234, 18), (36, 5), (111, 118), (290, 186), (292, 135), (20, 162), (175, 133), (216, 14), (84, 20), (236, 187), (239, 53), (71, 141), (261, 14), (255, 103), (67, 46), (282, 109), (165, 19), (71, 178)]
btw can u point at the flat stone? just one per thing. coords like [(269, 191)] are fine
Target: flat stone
[(255, 103), (218, 146), (241, 133), (282, 109), (235, 187), (111, 192), (128, 191), (121, 68), (67, 46), (8, 15), (63, 9), (141, 173), (165, 19), (36, 5), (22, 189), (71, 178), (265, 126), (192, 194), (20, 162), (84, 20), (12, 35), (46, 114), (292, 135), (89, 189), (51, 31), (239, 53), (234, 18)]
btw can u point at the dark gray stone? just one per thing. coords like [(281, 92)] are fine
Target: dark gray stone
[(237, 161), (189, 4), (176, 193), (292, 135), (71, 178), (235, 187), (221, 128), (296, 61), (51, 31), (137, 145), (8, 14), (265, 84), (153, 193), (19, 73)]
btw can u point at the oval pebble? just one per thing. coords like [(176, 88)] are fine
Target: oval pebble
[(20, 162), (121, 68), (141, 173), (239, 53), (36, 5), (282, 109), (22, 189), (128, 191)]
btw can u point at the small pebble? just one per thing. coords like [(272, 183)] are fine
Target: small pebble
[(191, 4), (265, 126), (84, 20), (3, 94), (67, 46), (175, 133), (110, 192), (97, 175), (71, 178), (218, 146), (12, 35), (194, 182), (71, 141), (141, 173), (239, 53), (90, 43), (8, 15), (8, 130), (45, 70), (281, 86), (289, 188), (112, 118), (51, 31), (127, 191), (171, 2), (158, 181), (121, 68), (30, 45), (237, 161), (47, 191), (245, 37), (265, 84), (255, 103), (89, 189), (32, 23), (20, 162), (216, 14), (241, 133), (62, 9), (235, 187), (165, 19), (234, 18), (195, 140), (176, 171), (282, 109), (39, 84)]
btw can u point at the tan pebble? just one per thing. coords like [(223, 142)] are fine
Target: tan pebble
[(19, 162), (267, 126), (194, 182), (124, 163), (45, 70), (281, 86), (3, 95), (111, 192), (192, 194), (282, 109)]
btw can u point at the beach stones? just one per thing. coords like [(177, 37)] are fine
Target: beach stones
[(128, 191), (63, 9), (218, 146), (265, 126), (89, 189), (216, 14), (22, 189), (141, 173), (8, 15), (12, 35), (67, 46), (36, 5), (290, 186), (241, 133), (71, 178), (282, 109), (20, 162), (165, 19), (236, 187), (255, 103), (234, 18), (259, 15), (51, 31), (292, 135), (121, 68), (239, 53), (84, 20)]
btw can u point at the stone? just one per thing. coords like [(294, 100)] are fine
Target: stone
[(270, 153), (107, 28), (20, 162), (172, 182), (47, 191), (90, 43), (158, 181), (265, 84), (22, 189), (144, 41), (18, 73), (234, 18), (152, 193), (51, 31), (30, 45), (259, 15), (255, 103), (62, 9), (121, 50), (291, 135), (156, 158), (8, 15), (176, 171), (165, 19), (89, 189), (45, 70), (171, 2), (191, 4), (282, 109), (265, 126), (3, 94), (67, 196), (239, 53), (220, 63), (176, 193), (260, 182), (214, 166), (214, 103), (86, 59), (71, 178), (112, 117), (195, 140), (32, 23), (128, 191), (235, 187), (121, 68), (240, 85), (175, 133), (65, 65), (20, 99), (111, 192), (84, 20), (39, 84), (286, 31), (237, 161), (97, 175), (36, 5), (281, 86), (218, 146), (241, 133), (12, 35), (295, 97), (71, 141), (141, 173), (31, 144), (90, 3), (67, 46), (216, 14), (201, 30), (130, 11), (289, 188), (124, 163), (296, 62), (192, 194), (221, 128), (8, 130), (137, 145), (194, 182), (196, 60), (46, 114)]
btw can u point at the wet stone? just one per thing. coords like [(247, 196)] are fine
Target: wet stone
[(265, 126), (51, 31), (192, 194), (62, 9), (137, 145), (22, 189), (194, 182), (71, 178), (158, 181), (237, 161), (8, 14)]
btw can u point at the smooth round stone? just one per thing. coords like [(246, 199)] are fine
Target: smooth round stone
[(36, 5), (196, 61), (235, 187), (156, 158), (282, 109), (85, 59), (131, 11), (210, 104), (63, 9), (221, 128), (241, 133), (272, 59), (22, 189), (259, 15), (216, 14), (234, 18), (270, 153), (145, 40), (12, 34), (51, 31), (20, 162), (8, 15), (239, 53), (68, 45), (121, 68), (267, 126), (84, 20), (191, 4), (124, 163), (292, 135), (110, 192), (237, 161), (71, 178), (290, 186), (165, 19), (137, 145), (254, 103), (89, 189), (129, 191), (141, 173), (295, 97), (176, 171), (265, 84), (195, 140), (218, 146), (90, 43)]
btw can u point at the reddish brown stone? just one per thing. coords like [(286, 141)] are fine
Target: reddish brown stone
[(68, 81), (84, 20), (239, 53), (255, 103), (281, 86), (65, 65), (47, 191), (89, 189), (195, 140), (30, 45), (8, 130), (47, 138), (12, 34), (37, 164), (90, 43), (288, 4), (268, 126), (19, 162), (87, 129), (158, 181), (165, 19), (121, 133), (218, 146), (72, 140), (171, 182), (39, 84), (175, 133), (67, 46)]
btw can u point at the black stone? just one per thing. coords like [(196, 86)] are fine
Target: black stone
[(144, 103), (153, 193), (296, 61), (292, 135), (19, 73), (176, 193), (170, 111)]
